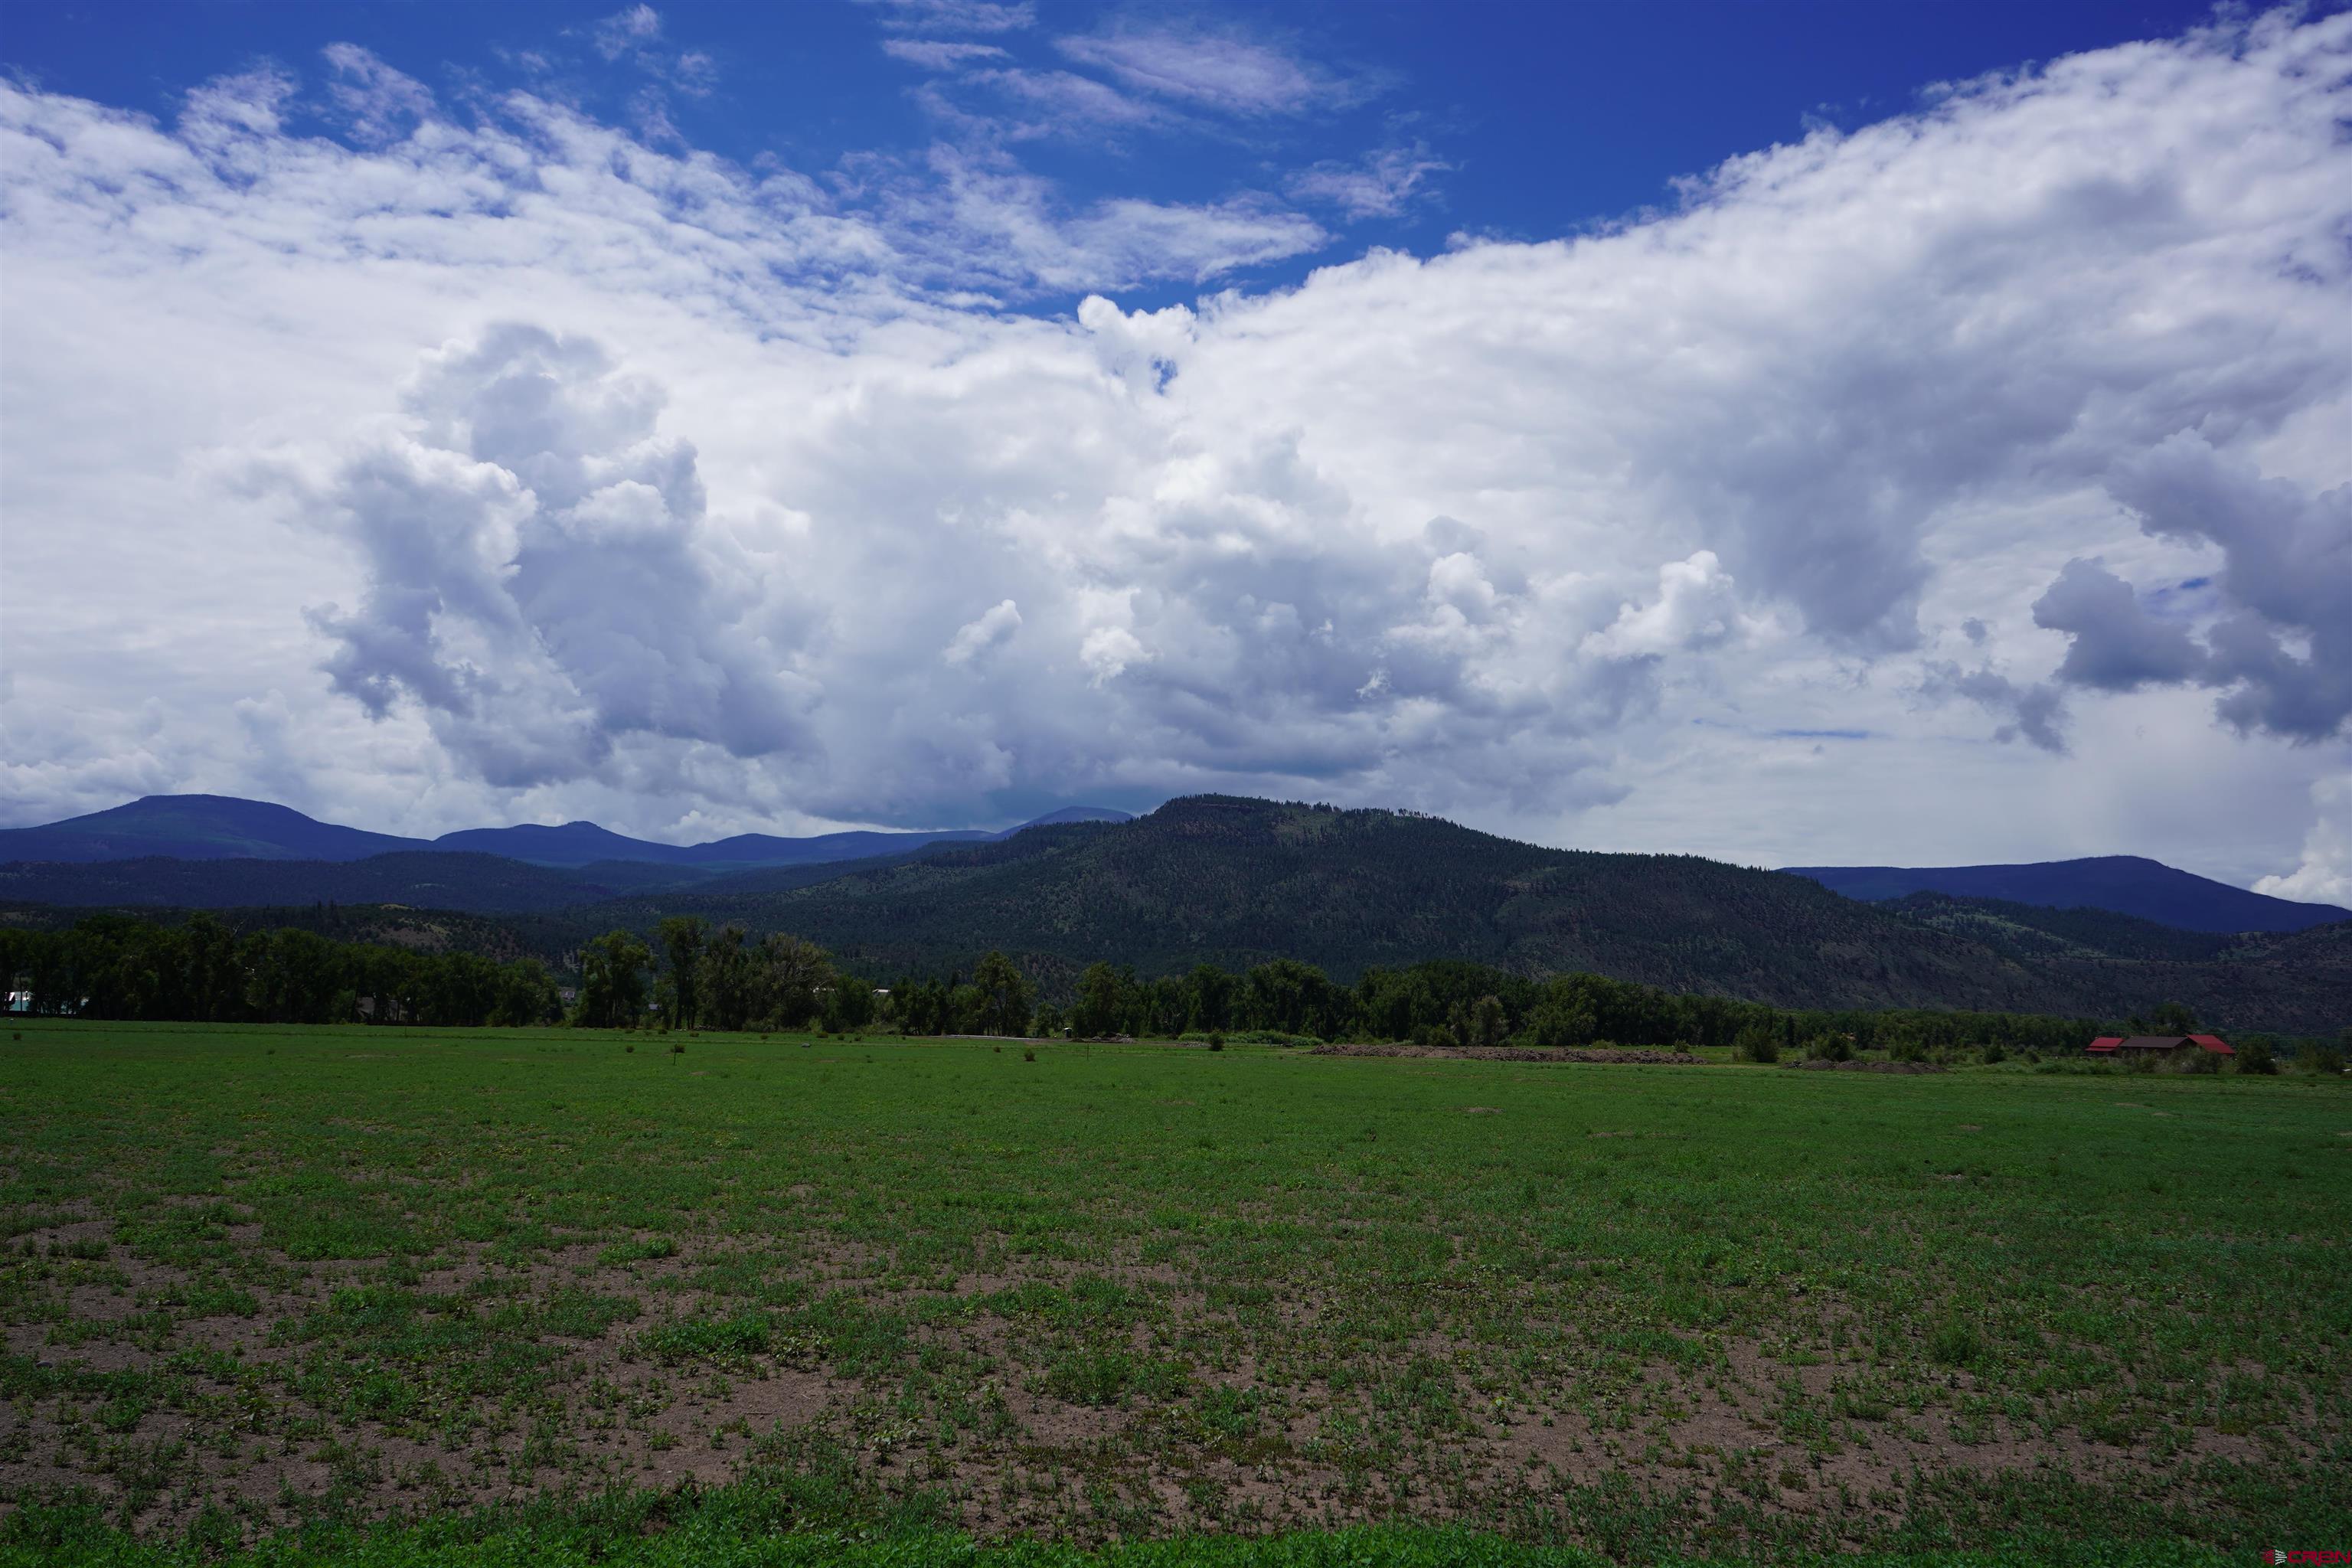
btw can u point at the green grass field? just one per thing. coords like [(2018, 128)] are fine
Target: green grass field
[(279, 1286)]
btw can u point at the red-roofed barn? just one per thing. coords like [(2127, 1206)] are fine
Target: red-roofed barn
[(2118, 1048)]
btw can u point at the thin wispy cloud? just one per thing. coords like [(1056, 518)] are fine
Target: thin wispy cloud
[(1216, 69), (955, 16), (940, 53), (635, 36), (1381, 185)]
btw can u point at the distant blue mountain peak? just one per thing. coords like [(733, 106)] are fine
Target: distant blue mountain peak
[(2126, 884)]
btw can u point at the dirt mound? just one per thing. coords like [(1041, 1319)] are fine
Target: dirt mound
[(1511, 1054)]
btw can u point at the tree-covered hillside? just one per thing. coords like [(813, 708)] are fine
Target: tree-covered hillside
[(423, 879), (2033, 931), (1235, 882)]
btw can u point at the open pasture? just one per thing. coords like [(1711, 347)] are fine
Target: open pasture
[(259, 1277)]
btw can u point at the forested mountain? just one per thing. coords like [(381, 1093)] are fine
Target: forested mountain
[(1234, 882), (216, 827), (2034, 932), (2299, 982), (421, 879), (2124, 884), (196, 827)]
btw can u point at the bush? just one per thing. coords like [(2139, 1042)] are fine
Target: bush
[(1029, 1054), (2254, 1056), (1830, 1048), (1757, 1043), (1957, 1343), (1995, 1053), (1247, 1037), (2324, 1059), (1216, 1042)]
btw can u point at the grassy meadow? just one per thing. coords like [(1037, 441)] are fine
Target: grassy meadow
[(804, 1299)]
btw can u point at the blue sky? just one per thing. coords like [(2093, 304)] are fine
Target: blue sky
[(1802, 434), (1547, 119)]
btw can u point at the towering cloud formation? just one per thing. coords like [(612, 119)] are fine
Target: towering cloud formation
[(540, 580), (589, 477)]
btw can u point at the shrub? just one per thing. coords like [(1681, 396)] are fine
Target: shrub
[(2320, 1060), (1029, 1054), (1830, 1048), (1216, 1042), (1957, 1343), (1757, 1043), (2254, 1056), (1995, 1053)]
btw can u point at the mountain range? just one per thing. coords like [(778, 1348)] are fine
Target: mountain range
[(2126, 884), (1233, 882), (218, 827)]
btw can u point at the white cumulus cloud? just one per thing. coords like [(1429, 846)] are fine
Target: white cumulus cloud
[(452, 468)]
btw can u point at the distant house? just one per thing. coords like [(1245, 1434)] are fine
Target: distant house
[(22, 1002), (2118, 1048)]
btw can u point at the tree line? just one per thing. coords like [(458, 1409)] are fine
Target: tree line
[(694, 974), (120, 967)]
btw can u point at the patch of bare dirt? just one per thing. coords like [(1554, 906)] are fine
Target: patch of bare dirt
[(1513, 1054)]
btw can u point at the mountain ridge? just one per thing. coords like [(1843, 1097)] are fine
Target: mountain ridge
[(220, 827), (1236, 882), (2124, 884)]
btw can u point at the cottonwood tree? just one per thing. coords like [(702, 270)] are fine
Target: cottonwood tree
[(681, 937), (613, 980), (726, 984), (791, 978), (1005, 997)]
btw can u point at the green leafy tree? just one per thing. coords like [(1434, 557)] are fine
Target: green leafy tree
[(1101, 1005), (790, 978), (725, 987), (612, 981), (681, 937), (1564, 1018), (1209, 998), (848, 1004), (525, 994), (1006, 997)]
